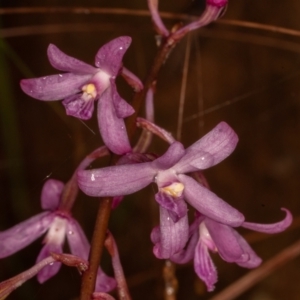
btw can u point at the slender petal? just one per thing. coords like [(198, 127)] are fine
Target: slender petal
[(54, 87), (214, 147), (109, 57), (64, 62), (271, 228), (21, 235), (204, 266), (173, 235), (187, 254), (77, 240), (51, 193), (116, 180), (52, 269), (132, 80), (209, 204), (253, 261), (226, 242), (218, 3), (170, 157), (123, 109), (112, 128), (79, 246)]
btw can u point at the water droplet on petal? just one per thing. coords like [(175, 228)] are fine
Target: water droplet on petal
[(71, 232)]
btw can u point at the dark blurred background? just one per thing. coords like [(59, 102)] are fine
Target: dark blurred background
[(246, 77)]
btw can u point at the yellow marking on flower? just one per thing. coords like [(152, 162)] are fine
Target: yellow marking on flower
[(175, 189), (90, 90)]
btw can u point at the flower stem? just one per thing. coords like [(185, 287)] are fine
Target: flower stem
[(99, 235), (89, 277)]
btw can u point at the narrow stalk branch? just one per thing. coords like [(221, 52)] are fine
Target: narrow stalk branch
[(99, 235), (171, 282), (253, 277)]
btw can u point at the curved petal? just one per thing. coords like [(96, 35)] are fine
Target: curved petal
[(155, 235), (54, 87), (210, 150), (104, 283), (64, 62), (80, 247), (271, 228), (209, 204), (188, 253), (226, 242), (51, 193), (253, 261), (77, 240), (79, 107), (122, 108), (112, 128), (52, 269), (170, 157), (116, 201), (204, 266), (21, 235), (176, 206), (173, 236), (116, 180), (109, 57)]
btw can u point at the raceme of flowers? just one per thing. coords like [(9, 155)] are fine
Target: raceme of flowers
[(215, 222)]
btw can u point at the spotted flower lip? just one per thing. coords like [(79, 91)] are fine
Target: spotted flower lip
[(206, 234), (171, 168), (58, 225), (84, 84)]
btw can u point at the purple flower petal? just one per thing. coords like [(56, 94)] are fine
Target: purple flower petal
[(214, 147), (54, 87), (52, 269), (109, 57), (209, 204), (204, 266), (79, 107), (21, 235), (170, 157), (271, 228), (176, 206), (104, 283), (64, 62), (112, 128), (51, 193), (173, 236), (155, 235), (116, 180), (217, 3), (226, 242), (187, 254), (77, 240), (80, 247), (123, 109), (253, 261)]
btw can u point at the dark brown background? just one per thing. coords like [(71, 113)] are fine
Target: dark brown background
[(37, 140)]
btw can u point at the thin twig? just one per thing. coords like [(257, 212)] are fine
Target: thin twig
[(89, 277), (255, 276), (183, 87), (171, 282), (143, 13)]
